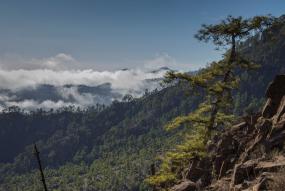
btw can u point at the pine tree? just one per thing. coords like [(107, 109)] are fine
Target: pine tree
[(216, 83)]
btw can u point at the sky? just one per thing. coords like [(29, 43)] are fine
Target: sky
[(114, 34), (49, 49)]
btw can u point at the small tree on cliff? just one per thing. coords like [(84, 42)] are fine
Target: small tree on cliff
[(220, 78), (216, 83)]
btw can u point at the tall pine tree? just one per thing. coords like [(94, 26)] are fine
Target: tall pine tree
[(216, 84)]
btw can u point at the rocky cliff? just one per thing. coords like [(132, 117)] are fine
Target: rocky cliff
[(248, 156)]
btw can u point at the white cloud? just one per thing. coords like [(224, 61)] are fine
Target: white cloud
[(60, 61), (120, 80), (82, 99), (32, 104), (60, 70)]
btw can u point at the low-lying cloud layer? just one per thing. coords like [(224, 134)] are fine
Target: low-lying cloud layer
[(50, 84), (120, 80)]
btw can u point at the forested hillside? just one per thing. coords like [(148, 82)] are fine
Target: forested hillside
[(112, 148), (90, 145), (266, 50)]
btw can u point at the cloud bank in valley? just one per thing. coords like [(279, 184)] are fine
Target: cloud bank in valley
[(120, 80), (56, 82)]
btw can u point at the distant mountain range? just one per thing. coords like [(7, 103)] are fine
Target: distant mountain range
[(49, 96), (113, 148)]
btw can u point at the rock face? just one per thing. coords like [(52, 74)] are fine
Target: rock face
[(247, 156)]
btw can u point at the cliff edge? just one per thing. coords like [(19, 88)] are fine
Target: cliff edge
[(248, 156)]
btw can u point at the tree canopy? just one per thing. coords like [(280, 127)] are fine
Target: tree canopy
[(215, 84)]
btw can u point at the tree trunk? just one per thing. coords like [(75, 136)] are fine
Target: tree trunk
[(37, 153), (215, 106)]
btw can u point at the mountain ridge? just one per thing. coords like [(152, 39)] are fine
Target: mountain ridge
[(123, 138), (248, 156)]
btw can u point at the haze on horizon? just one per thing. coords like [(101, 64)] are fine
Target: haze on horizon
[(69, 42)]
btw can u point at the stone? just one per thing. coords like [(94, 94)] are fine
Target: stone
[(238, 158), (185, 186), (199, 170), (274, 93), (239, 126), (280, 111), (269, 109), (276, 139), (244, 171), (276, 89), (271, 166)]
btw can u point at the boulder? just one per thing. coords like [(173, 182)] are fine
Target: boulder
[(275, 140), (244, 171), (271, 166), (238, 159), (269, 108), (199, 170), (186, 185), (274, 93), (276, 89), (280, 111)]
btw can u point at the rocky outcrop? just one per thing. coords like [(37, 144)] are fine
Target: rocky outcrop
[(185, 185), (247, 156)]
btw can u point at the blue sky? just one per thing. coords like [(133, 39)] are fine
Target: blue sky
[(112, 34)]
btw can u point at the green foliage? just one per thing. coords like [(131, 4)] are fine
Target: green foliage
[(174, 162), (220, 78), (111, 148), (196, 117), (237, 27), (217, 83), (105, 149)]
